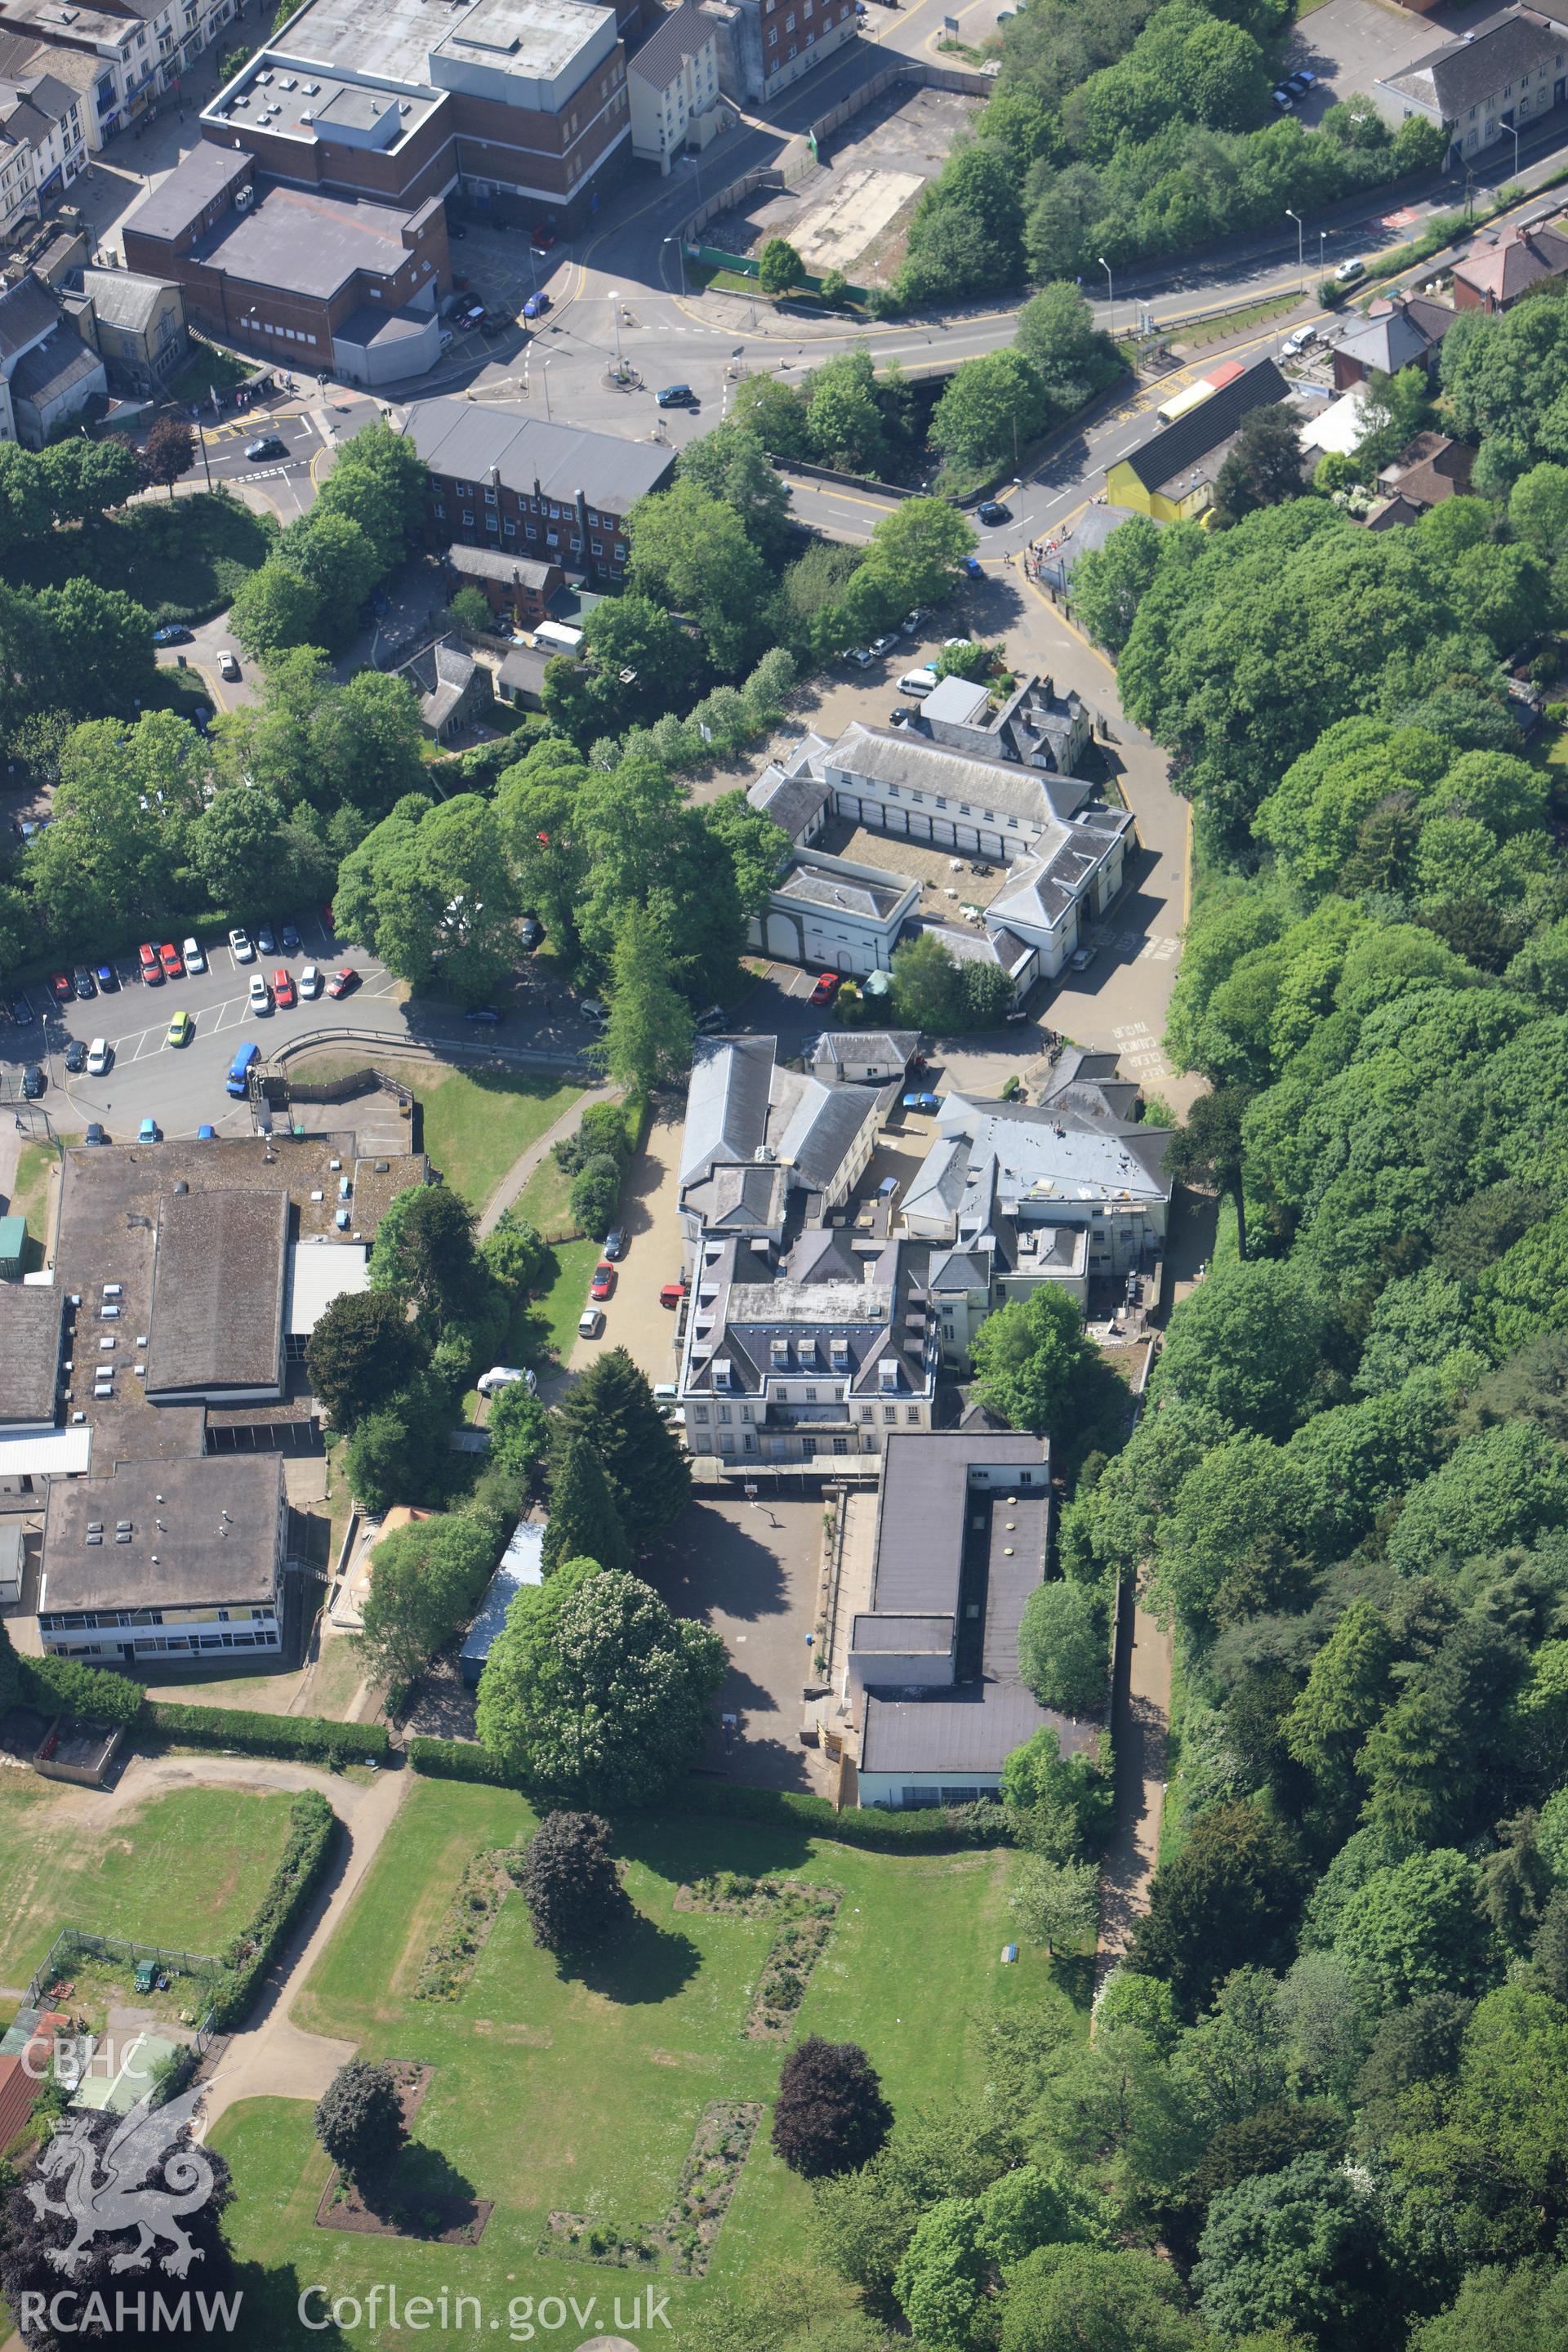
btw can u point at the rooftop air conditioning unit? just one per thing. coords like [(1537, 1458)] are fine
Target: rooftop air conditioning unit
[(243, 199)]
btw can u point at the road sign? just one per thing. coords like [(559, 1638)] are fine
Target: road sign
[(950, 23)]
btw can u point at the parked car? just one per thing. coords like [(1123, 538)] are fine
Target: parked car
[(826, 987), (677, 395), (260, 998), (101, 1054), (592, 1010), (912, 621), (283, 988), (1298, 84), (172, 962), (60, 986), (1082, 958), (206, 1134), (487, 1015), (182, 1029), (881, 646), (542, 239), (268, 446), (1295, 345), (615, 1244), (95, 1133), (589, 1323), (266, 940), (173, 633), (861, 656), (903, 714), (194, 960), (604, 1281), (151, 970), (671, 1293), (507, 1376), (309, 983), (239, 945), (108, 979), (228, 664), (536, 305), (289, 937), (149, 1132), (1348, 272), (33, 1082), (992, 510), (1283, 100), (345, 983), (714, 1018), (83, 983), (925, 1102), (21, 1012), (76, 1057), (973, 568)]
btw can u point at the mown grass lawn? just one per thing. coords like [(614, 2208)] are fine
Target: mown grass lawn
[(186, 1871), (184, 559), (477, 1122), (582, 2091)]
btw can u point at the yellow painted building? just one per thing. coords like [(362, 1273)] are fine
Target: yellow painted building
[(1171, 478)]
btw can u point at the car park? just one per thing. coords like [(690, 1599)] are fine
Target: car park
[(240, 1069), (345, 983), (614, 1247), (100, 1056), (283, 988), (1349, 271), (33, 1082), (309, 983), (260, 997), (149, 1132), (589, 1323), (76, 1057), (826, 987), (507, 1376), (288, 936), (172, 962), (194, 960), (228, 664), (992, 510), (151, 970), (604, 1280), (174, 634), (677, 396), (182, 1029), (268, 446), (83, 983), (266, 940), (240, 946), (96, 1133)]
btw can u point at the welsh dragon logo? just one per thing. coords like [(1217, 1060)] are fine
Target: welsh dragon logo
[(121, 2195)]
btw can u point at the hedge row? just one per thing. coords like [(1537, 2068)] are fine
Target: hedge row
[(939, 1829), (65, 1687), (312, 1824), (314, 1737)]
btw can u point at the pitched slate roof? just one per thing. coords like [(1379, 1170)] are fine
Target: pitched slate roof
[(464, 440), (123, 298), (1462, 73), (685, 33), (1192, 437)]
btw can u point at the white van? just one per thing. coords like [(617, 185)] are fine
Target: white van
[(558, 637), (918, 682)]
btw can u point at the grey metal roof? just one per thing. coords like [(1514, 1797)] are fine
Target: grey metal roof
[(825, 883), (684, 33), (183, 1549), (207, 173), (891, 1047), (1462, 73), (1047, 1152), (1390, 343), (817, 1128), (989, 787), (302, 241), (921, 1523), (938, 1187), (125, 298), (369, 327), (726, 1102), (494, 563), (465, 439), (909, 1635), (791, 801), (28, 312), (29, 1350), (1202, 430), (218, 1269), (55, 366)]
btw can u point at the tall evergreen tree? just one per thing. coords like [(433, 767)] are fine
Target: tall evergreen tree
[(611, 1408), (584, 1523)]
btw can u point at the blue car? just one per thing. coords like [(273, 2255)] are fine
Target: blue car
[(148, 1132), (238, 1072), (974, 568), (536, 305), (107, 982), (206, 1135), (922, 1102)]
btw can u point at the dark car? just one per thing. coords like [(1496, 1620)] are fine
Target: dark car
[(615, 1244), (290, 937), (95, 1133), (266, 940), (1298, 84), (175, 633), (269, 445), (76, 1056), (108, 980), (542, 239), (33, 1082), (903, 716), (21, 1012), (84, 982), (677, 396), (531, 930), (992, 510), (487, 1013)]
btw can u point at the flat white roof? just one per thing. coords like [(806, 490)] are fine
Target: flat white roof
[(319, 1272), (57, 1453)]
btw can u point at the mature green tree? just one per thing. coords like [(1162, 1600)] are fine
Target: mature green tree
[(536, 803), (993, 408), (732, 463), (427, 1578), (610, 1409), (1056, 1903), (1350, 1685), (1501, 2310), (363, 1351), (1060, 1803), (1062, 1649), (425, 1253), (1295, 2249), (380, 482), (928, 985), (845, 424), (1207, 1149), (647, 1038), (94, 647), (1417, 1927), (275, 607), (337, 559), (399, 1451), (584, 1522), (757, 848), (1078, 2298), (359, 2117), (1056, 333), (1229, 1899), (520, 1431), (571, 1883), (600, 1697), (916, 554), (779, 267), (1032, 1361), (640, 663), (1249, 1342), (595, 1188), (251, 854), (689, 552), (516, 1254), (1108, 584), (829, 2115), (430, 888)]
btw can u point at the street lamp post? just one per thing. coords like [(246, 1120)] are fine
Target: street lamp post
[(1514, 128), (1322, 244), (1110, 285), (616, 324), (679, 241), (1300, 259), (544, 379)]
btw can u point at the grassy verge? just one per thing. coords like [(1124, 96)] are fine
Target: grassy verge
[(184, 559), (544, 1327), (30, 1197), (1210, 330), (556, 2089), (208, 370), (186, 1871)]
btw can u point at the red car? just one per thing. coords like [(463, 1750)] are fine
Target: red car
[(825, 989), (604, 1280), (542, 239), (60, 983), (172, 962), (671, 1293), (326, 918), (283, 988), (345, 983), (151, 970)]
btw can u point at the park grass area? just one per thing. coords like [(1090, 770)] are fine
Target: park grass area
[(477, 1122), (186, 1871), (184, 559), (581, 2091)]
